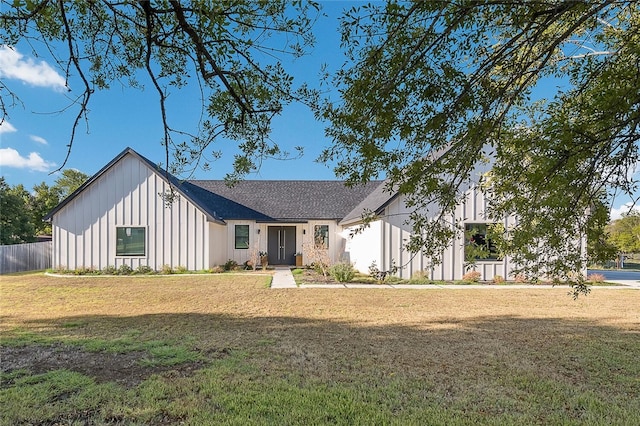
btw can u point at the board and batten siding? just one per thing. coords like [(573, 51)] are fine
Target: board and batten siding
[(218, 243), (393, 232), (257, 241), (336, 239), (127, 194)]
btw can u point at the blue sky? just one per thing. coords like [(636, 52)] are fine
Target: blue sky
[(34, 136)]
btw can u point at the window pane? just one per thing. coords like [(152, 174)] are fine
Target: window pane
[(242, 236), (321, 236), (130, 241), (477, 246)]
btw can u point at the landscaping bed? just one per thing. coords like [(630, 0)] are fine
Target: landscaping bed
[(314, 276)]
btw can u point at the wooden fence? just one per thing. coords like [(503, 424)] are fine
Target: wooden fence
[(25, 257)]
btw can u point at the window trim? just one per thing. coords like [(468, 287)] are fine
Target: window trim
[(325, 243), (235, 237), (144, 241)]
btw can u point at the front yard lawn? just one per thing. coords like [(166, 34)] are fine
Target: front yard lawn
[(224, 349)]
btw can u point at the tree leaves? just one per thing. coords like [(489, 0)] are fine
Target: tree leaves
[(435, 88), (233, 50)]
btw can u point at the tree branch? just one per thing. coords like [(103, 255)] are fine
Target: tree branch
[(73, 57)]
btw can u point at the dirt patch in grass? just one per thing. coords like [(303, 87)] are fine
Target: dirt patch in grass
[(124, 369)]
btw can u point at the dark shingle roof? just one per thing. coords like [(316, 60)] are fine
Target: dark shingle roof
[(261, 200), (375, 200), (281, 200)]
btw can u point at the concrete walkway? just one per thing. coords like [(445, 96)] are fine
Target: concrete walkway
[(628, 283), (283, 278)]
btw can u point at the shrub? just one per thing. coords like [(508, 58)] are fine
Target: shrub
[(124, 269), (181, 269), (471, 276), (498, 279), (86, 271), (379, 275), (166, 269), (230, 265), (596, 278), (319, 268), (521, 278), (297, 271), (420, 277), (216, 270), (342, 272), (110, 270), (144, 269)]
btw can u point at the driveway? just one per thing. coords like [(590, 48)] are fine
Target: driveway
[(630, 278)]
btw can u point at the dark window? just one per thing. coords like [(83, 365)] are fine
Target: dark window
[(131, 241), (478, 244), (321, 236), (242, 236)]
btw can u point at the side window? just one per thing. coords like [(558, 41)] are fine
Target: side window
[(242, 236), (321, 236), (478, 244), (131, 241)]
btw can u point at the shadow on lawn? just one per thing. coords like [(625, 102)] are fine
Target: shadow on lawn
[(447, 355)]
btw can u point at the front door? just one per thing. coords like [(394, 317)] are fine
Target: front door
[(282, 245)]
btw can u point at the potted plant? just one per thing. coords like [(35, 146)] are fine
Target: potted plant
[(264, 259)]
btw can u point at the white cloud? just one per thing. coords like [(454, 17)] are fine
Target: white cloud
[(9, 157), (14, 65), (616, 213), (38, 139), (6, 127)]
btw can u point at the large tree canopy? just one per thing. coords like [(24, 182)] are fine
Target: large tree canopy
[(624, 233), (21, 211), (432, 89), (232, 49), (15, 223)]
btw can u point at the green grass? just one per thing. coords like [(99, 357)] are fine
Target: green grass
[(226, 350), (235, 391), (156, 352)]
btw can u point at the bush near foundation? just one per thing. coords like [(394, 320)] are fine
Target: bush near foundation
[(342, 272), (471, 276)]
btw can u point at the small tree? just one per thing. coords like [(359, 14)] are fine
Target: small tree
[(254, 254), (318, 256)]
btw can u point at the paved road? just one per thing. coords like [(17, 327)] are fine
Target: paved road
[(631, 278)]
